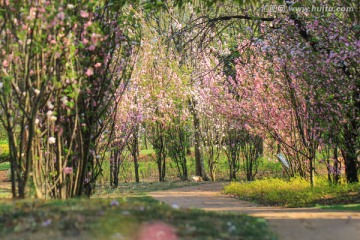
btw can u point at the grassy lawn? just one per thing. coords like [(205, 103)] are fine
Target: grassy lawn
[(147, 152), (343, 207), (295, 193), (4, 166), (135, 189), (121, 218)]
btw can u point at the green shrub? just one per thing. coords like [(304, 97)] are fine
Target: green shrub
[(3, 134), (4, 152), (268, 167), (294, 193), (4, 147), (4, 157)]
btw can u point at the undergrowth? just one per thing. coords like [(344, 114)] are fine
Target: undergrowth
[(4, 152), (294, 193)]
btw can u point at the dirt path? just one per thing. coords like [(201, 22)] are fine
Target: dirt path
[(289, 224)]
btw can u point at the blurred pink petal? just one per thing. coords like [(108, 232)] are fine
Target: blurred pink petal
[(89, 72), (5, 63), (85, 41), (157, 231), (68, 170), (97, 65), (84, 14)]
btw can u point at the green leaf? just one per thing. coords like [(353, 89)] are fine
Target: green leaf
[(356, 27), (7, 85), (297, 4)]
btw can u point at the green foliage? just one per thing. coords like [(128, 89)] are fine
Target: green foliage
[(4, 152), (178, 144), (147, 152), (121, 217), (3, 135), (269, 168), (4, 147), (294, 193)]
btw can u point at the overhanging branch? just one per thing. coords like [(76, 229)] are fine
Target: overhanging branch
[(246, 17)]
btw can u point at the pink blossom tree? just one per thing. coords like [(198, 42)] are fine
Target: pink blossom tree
[(290, 85), (62, 65)]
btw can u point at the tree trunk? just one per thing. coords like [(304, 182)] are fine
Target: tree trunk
[(199, 161), (349, 153), (185, 177), (159, 167), (111, 169), (13, 165), (163, 172), (198, 170), (350, 165), (135, 153), (336, 174), (115, 165), (311, 172)]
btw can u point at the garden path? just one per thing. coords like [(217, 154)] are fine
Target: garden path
[(287, 223)]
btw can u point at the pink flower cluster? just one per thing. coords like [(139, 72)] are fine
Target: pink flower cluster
[(68, 170)]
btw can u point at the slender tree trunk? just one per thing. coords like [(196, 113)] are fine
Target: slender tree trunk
[(198, 170), (115, 168), (145, 141), (13, 165), (112, 161), (135, 153), (336, 173), (159, 167), (136, 168), (311, 172), (185, 169), (163, 171)]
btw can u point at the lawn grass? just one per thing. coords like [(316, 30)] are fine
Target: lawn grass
[(142, 188), (4, 166), (147, 152), (342, 207), (120, 218), (295, 193)]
